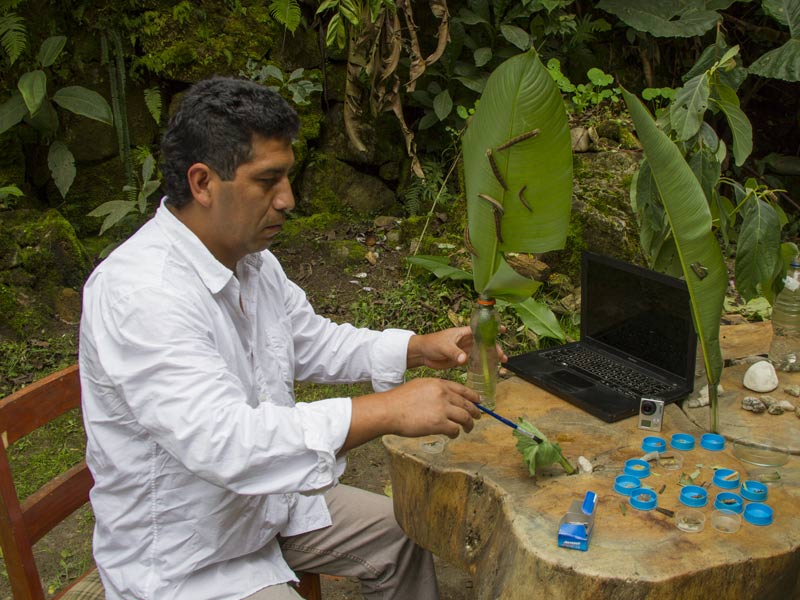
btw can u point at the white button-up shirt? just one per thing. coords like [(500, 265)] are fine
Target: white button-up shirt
[(199, 453)]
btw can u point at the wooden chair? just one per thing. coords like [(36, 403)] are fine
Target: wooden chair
[(23, 524)]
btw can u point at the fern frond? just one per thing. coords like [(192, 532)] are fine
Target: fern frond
[(13, 35), (152, 98), (286, 12), (412, 196)]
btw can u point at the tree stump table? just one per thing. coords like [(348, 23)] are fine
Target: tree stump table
[(472, 502)]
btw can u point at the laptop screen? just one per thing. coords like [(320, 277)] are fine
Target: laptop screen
[(637, 312)]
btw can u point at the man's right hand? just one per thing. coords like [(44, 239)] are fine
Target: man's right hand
[(417, 408)]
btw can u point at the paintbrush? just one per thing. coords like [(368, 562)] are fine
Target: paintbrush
[(511, 424)]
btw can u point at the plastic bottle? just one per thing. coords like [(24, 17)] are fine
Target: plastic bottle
[(784, 352), (483, 360)]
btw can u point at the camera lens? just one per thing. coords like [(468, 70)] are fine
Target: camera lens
[(648, 408)]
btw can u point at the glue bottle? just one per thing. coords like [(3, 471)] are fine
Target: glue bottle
[(483, 359), (784, 352)]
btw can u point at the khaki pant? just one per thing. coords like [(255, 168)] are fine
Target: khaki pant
[(364, 541)]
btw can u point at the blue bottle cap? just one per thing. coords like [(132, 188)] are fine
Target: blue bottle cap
[(644, 499), (637, 468), (729, 501), (758, 514), (654, 443), (682, 441), (755, 491), (727, 479), (626, 484), (693, 495), (712, 441)]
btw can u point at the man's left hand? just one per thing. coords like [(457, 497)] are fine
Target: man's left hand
[(444, 349)]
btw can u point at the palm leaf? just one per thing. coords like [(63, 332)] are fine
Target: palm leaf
[(519, 97), (689, 218)]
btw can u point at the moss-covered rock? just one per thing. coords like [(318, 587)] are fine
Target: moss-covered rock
[(49, 258), (602, 219), (189, 42), (381, 137), (331, 185)]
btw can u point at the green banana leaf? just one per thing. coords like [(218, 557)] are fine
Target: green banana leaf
[(689, 218), (520, 96)]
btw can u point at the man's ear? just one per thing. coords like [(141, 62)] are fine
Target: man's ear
[(199, 176)]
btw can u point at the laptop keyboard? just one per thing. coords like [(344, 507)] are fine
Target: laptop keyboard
[(611, 373)]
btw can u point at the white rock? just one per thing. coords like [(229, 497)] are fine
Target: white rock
[(584, 465), (786, 405), (761, 377)]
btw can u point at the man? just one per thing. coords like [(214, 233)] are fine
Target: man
[(210, 483)]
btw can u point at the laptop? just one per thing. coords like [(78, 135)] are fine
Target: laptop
[(637, 341)]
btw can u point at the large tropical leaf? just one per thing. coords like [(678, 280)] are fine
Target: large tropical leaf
[(667, 18), (689, 106), (779, 10), (690, 221), (520, 97), (84, 102), (12, 111), (62, 166), (439, 266), (781, 63), (742, 130), (33, 87), (757, 250), (50, 49), (114, 211), (538, 317)]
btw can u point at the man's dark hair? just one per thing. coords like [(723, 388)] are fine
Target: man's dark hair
[(215, 125)]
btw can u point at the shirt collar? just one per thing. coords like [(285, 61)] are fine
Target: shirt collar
[(214, 275)]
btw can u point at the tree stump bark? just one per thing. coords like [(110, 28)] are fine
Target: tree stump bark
[(475, 505)]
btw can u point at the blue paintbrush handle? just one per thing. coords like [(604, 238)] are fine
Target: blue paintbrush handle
[(511, 424)]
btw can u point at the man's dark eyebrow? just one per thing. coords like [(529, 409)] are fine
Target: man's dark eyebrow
[(271, 172)]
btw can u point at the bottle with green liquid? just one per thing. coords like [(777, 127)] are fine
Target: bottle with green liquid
[(483, 361)]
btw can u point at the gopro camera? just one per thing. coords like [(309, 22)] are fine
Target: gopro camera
[(651, 413)]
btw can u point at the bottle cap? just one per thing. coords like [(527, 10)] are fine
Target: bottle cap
[(486, 301), (643, 499), (729, 501), (755, 491), (653, 443), (712, 441), (758, 514), (682, 441), (637, 467), (726, 478), (693, 495), (626, 484)]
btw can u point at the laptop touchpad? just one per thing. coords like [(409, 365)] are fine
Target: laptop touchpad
[(570, 378)]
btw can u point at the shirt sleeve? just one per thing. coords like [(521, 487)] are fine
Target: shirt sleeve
[(164, 374)]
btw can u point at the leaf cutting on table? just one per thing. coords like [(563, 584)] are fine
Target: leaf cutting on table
[(538, 455)]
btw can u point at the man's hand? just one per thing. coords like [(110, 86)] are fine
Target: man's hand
[(444, 349), (417, 408)]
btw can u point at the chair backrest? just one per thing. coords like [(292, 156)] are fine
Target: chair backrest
[(23, 523)]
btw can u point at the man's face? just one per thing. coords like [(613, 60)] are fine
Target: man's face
[(249, 211)]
